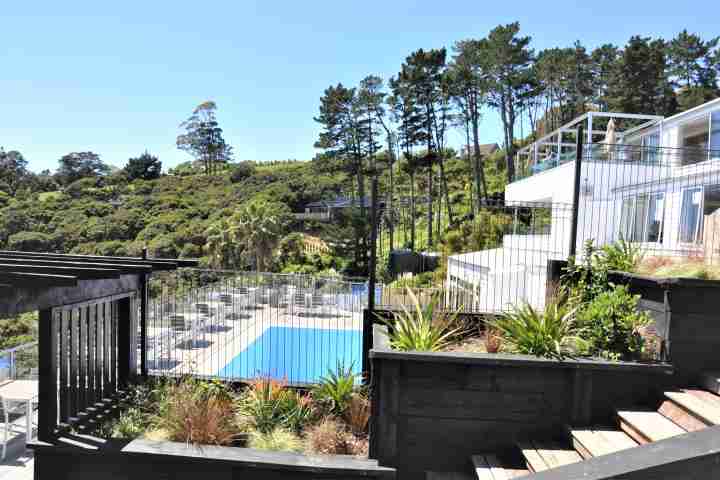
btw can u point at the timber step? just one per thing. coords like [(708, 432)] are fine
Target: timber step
[(648, 426), (489, 467), (600, 441), (541, 456), (702, 408)]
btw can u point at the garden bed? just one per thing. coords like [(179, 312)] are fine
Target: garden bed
[(433, 410), (685, 312)]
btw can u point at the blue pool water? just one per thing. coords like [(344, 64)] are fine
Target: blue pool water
[(297, 355)]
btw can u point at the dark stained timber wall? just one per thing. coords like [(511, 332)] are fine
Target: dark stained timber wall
[(432, 411), (146, 460)]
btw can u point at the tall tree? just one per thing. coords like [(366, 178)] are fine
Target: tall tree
[(692, 66), (13, 171), (422, 72), (404, 108), (203, 138), (342, 139), (374, 98), (641, 84), (77, 165), (605, 64), (506, 60), (146, 167), (257, 228), (470, 89)]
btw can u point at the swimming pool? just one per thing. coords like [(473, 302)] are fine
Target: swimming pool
[(297, 355)]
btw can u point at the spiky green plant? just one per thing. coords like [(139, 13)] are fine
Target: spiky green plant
[(278, 439), (551, 333), (336, 389), (422, 328), (621, 255)]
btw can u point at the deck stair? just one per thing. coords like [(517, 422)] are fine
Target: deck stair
[(681, 411)]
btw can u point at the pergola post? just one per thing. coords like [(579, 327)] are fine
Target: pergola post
[(48, 375)]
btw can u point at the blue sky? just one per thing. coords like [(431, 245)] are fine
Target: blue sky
[(118, 77)]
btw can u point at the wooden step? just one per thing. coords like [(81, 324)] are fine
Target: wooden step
[(601, 441), (646, 427), (711, 381), (541, 456), (691, 409), (448, 476), (488, 467)]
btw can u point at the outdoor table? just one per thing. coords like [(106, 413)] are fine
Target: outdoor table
[(21, 391)]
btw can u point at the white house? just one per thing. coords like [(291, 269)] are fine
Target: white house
[(650, 180)]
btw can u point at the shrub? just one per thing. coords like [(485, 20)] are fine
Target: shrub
[(335, 390), (621, 255), (551, 333), (277, 439), (612, 324), (357, 414), (330, 437), (31, 242), (131, 424), (493, 339), (194, 411), (422, 328), (267, 404)]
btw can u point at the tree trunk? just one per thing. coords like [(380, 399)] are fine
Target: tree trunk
[(412, 211), (479, 168), (443, 179)]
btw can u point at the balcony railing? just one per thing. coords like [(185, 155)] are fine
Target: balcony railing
[(641, 155)]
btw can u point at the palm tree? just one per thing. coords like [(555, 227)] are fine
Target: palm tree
[(258, 227), (221, 246)]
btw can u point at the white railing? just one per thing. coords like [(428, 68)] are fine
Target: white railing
[(19, 362)]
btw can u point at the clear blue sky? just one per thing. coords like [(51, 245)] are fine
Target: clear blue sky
[(118, 77)]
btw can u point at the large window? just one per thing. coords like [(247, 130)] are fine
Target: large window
[(641, 218), (697, 203), (700, 135)]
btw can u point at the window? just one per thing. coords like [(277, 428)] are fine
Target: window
[(650, 147), (715, 134), (641, 217), (690, 215), (695, 137)]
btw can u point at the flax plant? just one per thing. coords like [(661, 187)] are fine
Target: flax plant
[(424, 329)]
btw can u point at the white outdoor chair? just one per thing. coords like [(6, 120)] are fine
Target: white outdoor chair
[(12, 409)]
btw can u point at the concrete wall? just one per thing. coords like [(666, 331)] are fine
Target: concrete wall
[(432, 411)]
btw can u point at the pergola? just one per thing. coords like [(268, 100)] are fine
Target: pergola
[(92, 317)]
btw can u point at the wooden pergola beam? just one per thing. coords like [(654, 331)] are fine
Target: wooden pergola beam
[(156, 264), (78, 273), (38, 280), (123, 268)]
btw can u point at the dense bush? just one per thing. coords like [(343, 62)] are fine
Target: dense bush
[(611, 324)]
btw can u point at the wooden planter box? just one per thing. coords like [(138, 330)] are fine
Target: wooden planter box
[(432, 411), (91, 459), (687, 318)]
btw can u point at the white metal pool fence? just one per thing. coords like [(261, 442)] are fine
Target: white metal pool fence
[(203, 322)]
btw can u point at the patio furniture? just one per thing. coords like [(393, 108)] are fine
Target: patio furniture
[(21, 393)]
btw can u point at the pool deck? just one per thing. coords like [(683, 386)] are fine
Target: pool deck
[(223, 338)]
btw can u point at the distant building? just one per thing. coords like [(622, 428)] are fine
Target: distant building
[(485, 149)]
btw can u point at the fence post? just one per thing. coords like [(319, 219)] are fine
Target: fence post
[(48, 374), (143, 318), (576, 192), (127, 367)]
